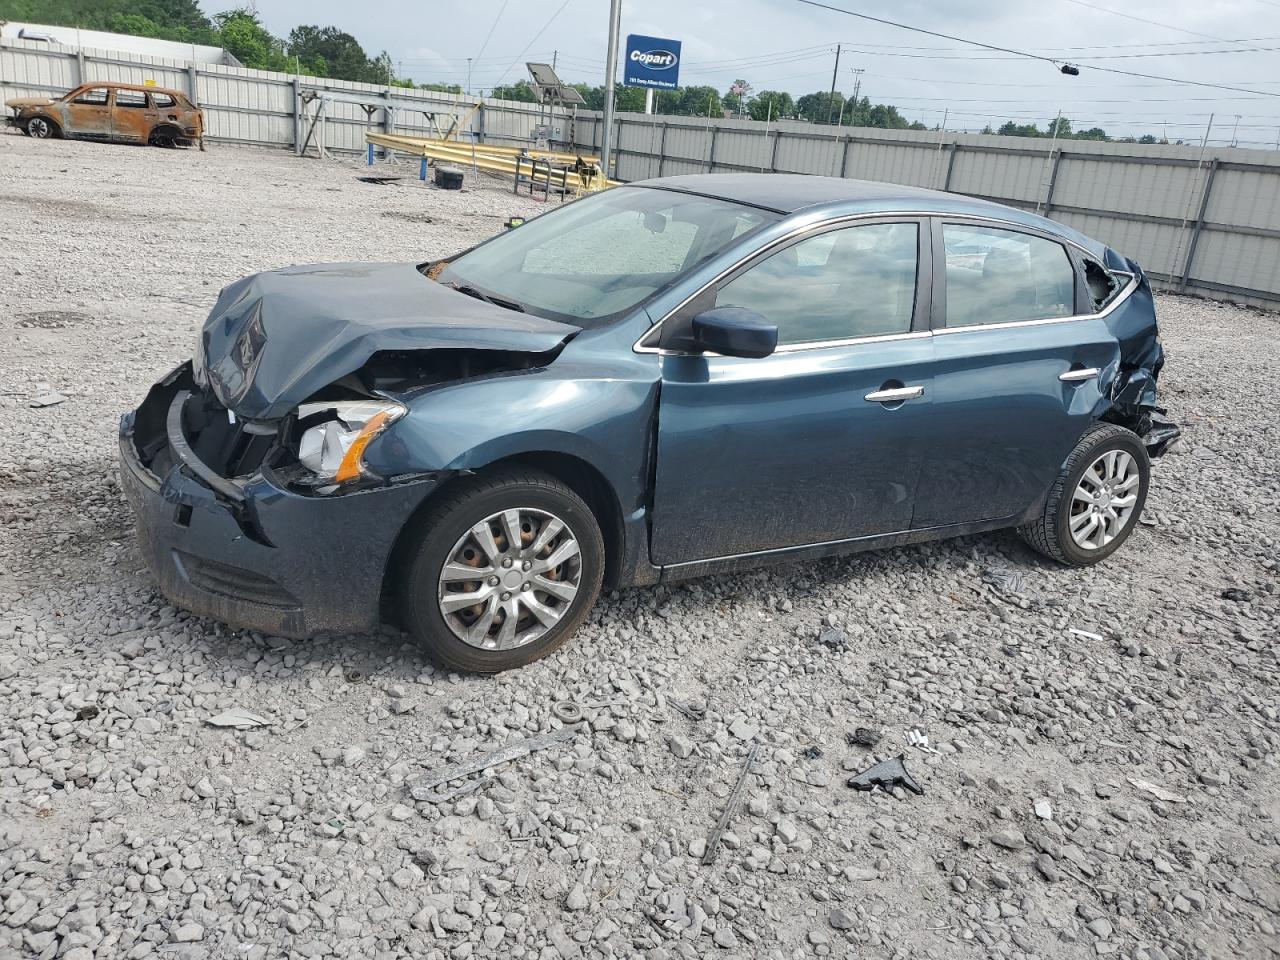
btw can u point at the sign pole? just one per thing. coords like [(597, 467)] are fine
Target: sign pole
[(611, 63), (648, 99)]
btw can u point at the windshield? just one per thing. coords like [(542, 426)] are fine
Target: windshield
[(604, 254)]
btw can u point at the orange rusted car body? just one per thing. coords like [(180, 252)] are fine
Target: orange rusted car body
[(124, 112)]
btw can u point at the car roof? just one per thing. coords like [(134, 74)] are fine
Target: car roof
[(133, 86), (789, 193)]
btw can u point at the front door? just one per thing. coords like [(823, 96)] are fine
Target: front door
[(88, 114), (1016, 377), (819, 442)]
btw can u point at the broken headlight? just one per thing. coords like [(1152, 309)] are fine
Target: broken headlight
[(335, 435)]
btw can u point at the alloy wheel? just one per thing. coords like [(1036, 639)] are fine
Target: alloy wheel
[(1104, 500), (510, 578), (40, 128)]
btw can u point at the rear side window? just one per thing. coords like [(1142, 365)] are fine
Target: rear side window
[(131, 98), (163, 100), (1002, 276), (96, 97), (1101, 284)]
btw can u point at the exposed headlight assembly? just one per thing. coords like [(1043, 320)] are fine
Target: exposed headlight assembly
[(333, 449)]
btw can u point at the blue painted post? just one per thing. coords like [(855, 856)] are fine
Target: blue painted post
[(369, 160), (422, 170)]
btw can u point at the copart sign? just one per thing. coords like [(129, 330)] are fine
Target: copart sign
[(652, 62)]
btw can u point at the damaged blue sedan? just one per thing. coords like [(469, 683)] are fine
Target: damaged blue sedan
[(665, 380)]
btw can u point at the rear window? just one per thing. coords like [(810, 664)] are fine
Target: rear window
[(163, 100), (1102, 284), (131, 98)]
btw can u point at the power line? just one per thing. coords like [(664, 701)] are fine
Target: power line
[(1031, 56), (532, 41), (1154, 23), (493, 26)]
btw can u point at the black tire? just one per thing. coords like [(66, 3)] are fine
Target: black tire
[(42, 128), (437, 531), (1050, 533), (166, 137)]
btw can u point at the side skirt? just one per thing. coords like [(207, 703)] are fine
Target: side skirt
[(813, 551)]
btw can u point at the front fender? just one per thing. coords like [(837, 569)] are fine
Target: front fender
[(604, 421)]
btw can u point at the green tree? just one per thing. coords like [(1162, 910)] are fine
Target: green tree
[(818, 107), (245, 38), (1093, 133), (1148, 138), (771, 103), (339, 51), (520, 91), (736, 102), (1011, 129), (1061, 126)]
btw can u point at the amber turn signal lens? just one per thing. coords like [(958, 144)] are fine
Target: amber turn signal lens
[(350, 467)]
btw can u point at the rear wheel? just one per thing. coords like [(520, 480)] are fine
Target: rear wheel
[(42, 128), (1095, 503), (166, 137), (503, 571)]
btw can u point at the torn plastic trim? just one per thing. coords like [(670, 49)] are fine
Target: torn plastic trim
[(182, 450)]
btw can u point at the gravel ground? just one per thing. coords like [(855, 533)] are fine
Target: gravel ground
[(1110, 792)]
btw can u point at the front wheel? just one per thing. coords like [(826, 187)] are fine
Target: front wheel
[(41, 128), (1095, 503), (502, 572)]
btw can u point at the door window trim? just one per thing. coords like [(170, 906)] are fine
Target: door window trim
[(921, 310)]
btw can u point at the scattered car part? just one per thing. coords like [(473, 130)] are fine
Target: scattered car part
[(422, 787), (448, 178), (380, 180), (88, 712), (812, 752), (920, 740), (566, 711), (1157, 791), (238, 719), (513, 222), (695, 710), (863, 737), (1236, 595), (886, 774), (730, 807), (47, 400), (1086, 635)]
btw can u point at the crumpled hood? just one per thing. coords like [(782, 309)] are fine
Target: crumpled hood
[(17, 103), (275, 338)]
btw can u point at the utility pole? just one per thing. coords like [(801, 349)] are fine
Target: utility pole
[(857, 83), (1234, 130), (610, 65), (831, 99), (468, 76), (554, 54)]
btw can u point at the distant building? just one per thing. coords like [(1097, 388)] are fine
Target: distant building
[(78, 39)]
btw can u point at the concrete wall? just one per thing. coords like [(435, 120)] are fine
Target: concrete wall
[(1207, 225)]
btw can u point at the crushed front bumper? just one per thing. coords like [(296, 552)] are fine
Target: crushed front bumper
[(250, 552)]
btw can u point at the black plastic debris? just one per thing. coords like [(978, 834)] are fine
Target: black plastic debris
[(886, 774), (812, 752), (1236, 595), (862, 737), (87, 712), (381, 181), (448, 178)]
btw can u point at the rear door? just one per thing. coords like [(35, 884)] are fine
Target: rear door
[(820, 442), (132, 115), (88, 114), (1018, 353)]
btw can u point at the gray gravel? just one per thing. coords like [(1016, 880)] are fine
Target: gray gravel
[(1109, 792)]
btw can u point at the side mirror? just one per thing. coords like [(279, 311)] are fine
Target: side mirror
[(735, 332)]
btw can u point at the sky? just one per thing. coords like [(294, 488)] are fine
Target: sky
[(788, 45)]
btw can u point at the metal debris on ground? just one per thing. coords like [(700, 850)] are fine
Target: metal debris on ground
[(1157, 791), (730, 807), (239, 719), (421, 788), (382, 181), (915, 738), (886, 774), (1085, 634), (694, 709), (862, 737), (47, 400)]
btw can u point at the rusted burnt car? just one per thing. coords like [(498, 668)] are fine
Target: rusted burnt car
[(124, 112)]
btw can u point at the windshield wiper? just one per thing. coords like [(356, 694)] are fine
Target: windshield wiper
[(471, 291)]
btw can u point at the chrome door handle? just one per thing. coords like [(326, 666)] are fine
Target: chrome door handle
[(1075, 376), (895, 395)]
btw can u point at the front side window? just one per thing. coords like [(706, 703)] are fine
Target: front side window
[(604, 254), (853, 282), (131, 98), (1001, 276), (96, 97)]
